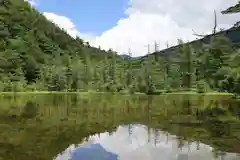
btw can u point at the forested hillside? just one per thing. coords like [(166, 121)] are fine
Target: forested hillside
[(36, 55), (204, 66), (34, 51), (210, 63)]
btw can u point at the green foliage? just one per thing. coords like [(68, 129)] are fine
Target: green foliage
[(36, 55), (202, 87), (232, 9)]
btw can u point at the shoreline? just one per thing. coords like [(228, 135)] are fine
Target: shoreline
[(123, 93)]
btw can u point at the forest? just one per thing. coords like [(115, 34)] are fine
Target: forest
[(36, 55)]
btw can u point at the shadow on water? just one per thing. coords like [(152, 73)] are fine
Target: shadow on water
[(142, 127)]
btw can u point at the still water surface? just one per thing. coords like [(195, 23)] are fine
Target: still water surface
[(172, 127), (144, 144)]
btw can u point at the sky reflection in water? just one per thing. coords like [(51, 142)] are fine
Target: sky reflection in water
[(143, 146)]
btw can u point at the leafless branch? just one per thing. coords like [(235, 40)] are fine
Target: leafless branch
[(215, 22), (148, 47), (199, 35), (214, 28)]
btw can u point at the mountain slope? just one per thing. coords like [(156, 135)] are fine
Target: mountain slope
[(36, 54), (24, 26), (34, 49), (232, 34)]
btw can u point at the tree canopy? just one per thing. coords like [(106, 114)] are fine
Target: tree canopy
[(36, 55), (232, 9)]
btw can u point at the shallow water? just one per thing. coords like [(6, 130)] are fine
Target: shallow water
[(132, 127)]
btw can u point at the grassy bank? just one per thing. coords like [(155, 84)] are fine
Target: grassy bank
[(207, 93), (79, 93), (123, 93)]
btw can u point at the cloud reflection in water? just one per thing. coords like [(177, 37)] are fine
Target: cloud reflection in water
[(137, 142)]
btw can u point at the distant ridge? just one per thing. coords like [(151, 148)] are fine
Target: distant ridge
[(126, 57), (233, 34)]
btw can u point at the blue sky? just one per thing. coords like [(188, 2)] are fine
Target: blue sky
[(138, 147), (124, 24), (95, 16)]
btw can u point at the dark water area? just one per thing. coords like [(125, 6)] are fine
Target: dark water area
[(173, 127)]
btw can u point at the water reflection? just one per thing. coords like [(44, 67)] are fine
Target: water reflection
[(142, 143), (41, 126)]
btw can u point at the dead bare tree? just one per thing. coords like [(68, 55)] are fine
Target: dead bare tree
[(129, 52), (214, 27), (215, 22), (148, 47), (156, 46), (199, 35)]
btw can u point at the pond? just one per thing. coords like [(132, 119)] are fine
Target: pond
[(76, 126)]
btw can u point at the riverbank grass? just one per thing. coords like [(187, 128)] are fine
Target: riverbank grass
[(122, 93)]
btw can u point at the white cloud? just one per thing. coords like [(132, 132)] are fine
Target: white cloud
[(137, 146), (160, 20), (67, 24), (164, 21), (63, 22), (32, 2)]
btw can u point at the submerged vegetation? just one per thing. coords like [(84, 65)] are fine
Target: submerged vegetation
[(36, 55)]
